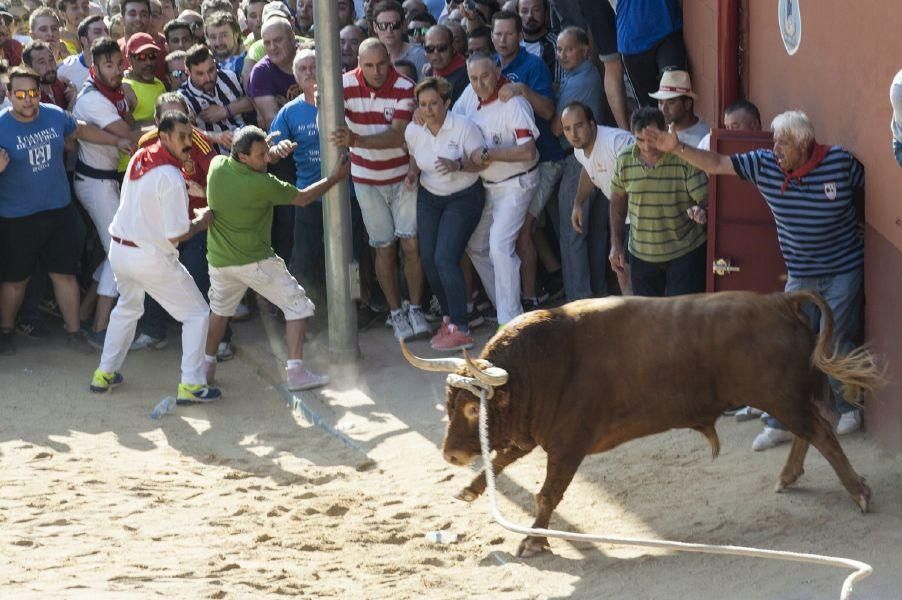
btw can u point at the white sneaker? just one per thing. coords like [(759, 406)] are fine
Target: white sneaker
[(747, 413), (224, 351), (145, 341), (418, 322), (401, 326), (770, 437), (849, 422)]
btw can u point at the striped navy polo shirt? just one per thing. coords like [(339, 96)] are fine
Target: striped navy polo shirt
[(817, 225)]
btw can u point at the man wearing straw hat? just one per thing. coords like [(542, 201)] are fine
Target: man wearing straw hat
[(677, 101)]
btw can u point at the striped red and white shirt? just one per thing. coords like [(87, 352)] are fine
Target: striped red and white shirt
[(370, 111)]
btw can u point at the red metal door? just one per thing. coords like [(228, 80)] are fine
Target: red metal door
[(743, 253)]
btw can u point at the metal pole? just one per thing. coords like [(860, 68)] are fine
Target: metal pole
[(340, 293)]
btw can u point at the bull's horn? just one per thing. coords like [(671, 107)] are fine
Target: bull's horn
[(491, 375), (442, 365)]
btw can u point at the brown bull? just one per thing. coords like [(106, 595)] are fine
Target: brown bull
[(593, 374)]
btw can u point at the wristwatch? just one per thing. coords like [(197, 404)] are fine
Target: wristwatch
[(486, 159)]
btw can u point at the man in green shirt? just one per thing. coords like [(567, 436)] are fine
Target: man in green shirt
[(242, 195), (662, 192)]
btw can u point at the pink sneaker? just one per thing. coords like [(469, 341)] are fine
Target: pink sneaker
[(209, 371), (454, 339), (301, 378), (442, 331)]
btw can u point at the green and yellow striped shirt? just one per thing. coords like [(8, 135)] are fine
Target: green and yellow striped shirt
[(658, 198)]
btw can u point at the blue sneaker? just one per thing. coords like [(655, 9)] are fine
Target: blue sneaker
[(190, 393), (102, 382)]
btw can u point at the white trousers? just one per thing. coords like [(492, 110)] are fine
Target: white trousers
[(100, 198), (492, 247), (139, 271)]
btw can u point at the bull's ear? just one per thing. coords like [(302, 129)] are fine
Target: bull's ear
[(471, 411), (501, 399)]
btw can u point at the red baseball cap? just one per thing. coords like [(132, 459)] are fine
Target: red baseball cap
[(140, 42)]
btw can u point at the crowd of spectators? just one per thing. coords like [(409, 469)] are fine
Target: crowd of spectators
[(503, 156)]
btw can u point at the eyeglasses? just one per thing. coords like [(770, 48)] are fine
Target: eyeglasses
[(22, 94), (434, 49), (415, 31), (394, 26), (178, 73), (146, 55)]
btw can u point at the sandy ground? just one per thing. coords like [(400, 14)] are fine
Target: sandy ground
[(245, 498)]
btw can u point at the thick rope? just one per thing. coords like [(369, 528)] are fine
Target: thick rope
[(861, 570)]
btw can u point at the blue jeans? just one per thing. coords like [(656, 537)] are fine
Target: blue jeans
[(843, 295), (584, 258), (192, 254), (308, 253), (444, 226)]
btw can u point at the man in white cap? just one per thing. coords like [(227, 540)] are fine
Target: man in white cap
[(677, 101)]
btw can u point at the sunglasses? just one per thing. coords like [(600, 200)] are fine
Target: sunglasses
[(178, 73), (434, 49), (22, 94), (415, 31), (394, 26), (147, 55)]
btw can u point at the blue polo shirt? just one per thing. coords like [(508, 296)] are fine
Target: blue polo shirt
[(582, 84), (532, 70), (817, 225), (296, 121), (35, 178), (643, 23)]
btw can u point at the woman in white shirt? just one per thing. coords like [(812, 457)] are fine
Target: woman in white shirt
[(450, 200)]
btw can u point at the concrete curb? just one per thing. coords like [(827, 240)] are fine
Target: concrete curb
[(262, 359)]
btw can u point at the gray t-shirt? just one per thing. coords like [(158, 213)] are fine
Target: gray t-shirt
[(695, 134), (417, 56), (584, 84)]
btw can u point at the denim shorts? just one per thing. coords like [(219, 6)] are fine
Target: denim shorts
[(389, 212)]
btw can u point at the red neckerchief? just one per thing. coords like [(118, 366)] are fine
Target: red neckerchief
[(502, 81), (818, 152), (149, 157), (457, 62), (389, 81), (57, 95), (116, 97)]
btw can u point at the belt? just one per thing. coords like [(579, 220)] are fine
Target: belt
[(88, 171), (128, 243), (515, 176)]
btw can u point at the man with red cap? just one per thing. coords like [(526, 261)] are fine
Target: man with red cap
[(152, 219), (142, 86)]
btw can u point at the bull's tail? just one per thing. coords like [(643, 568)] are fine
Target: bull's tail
[(858, 371)]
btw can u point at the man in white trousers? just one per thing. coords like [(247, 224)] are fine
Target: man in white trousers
[(152, 219), (509, 159), (102, 102)]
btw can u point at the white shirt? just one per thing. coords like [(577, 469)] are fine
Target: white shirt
[(705, 144), (74, 69), (694, 135), (458, 137), (503, 125), (895, 95), (93, 107), (609, 143), (152, 209)]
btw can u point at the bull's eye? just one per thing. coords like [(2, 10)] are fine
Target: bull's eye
[(471, 411)]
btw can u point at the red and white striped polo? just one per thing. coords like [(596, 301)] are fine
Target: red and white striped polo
[(370, 111)]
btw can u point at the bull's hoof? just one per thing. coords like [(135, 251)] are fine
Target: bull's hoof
[(863, 500), (786, 480), (467, 495), (532, 546)]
